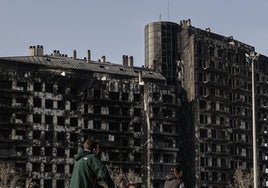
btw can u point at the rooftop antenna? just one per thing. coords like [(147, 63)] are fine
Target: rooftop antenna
[(159, 17), (168, 11)]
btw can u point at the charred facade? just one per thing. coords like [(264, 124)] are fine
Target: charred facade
[(50, 103), (216, 75), (191, 104)]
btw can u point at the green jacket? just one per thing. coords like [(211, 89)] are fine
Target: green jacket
[(88, 169)]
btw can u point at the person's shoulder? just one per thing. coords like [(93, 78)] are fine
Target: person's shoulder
[(89, 154), (92, 157)]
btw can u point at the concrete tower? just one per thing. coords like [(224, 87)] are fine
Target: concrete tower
[(161, 48)]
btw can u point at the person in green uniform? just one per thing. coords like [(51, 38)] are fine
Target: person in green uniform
[(89, 171)]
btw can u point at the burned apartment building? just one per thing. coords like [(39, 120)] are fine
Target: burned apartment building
[(191, 103), (216, 75), (50, 103)]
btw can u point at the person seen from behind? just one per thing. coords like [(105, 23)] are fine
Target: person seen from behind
[(173, 179), (89, 170), (130, 185)]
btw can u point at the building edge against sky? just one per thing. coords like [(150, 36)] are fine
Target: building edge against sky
[(191, 104)]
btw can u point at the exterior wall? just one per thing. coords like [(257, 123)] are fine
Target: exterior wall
[(161, 48), (262, 116), (187, 61), (221, 103), (216, 77), (45, 117), (143, 124)]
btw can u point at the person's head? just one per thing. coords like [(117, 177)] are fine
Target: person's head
[(92, 145), (130, 185), (177, 170)]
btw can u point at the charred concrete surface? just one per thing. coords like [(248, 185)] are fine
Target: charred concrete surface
[(216, 76), (192, 103), (49, 103)]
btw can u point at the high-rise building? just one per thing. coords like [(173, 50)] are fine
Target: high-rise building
[(192, 103), (50, 103), (216, 75)]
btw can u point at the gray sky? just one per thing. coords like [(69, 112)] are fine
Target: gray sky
[(116, 27)]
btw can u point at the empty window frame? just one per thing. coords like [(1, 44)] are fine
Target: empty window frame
[(49, 104), (49, 135), (60, 183), (97, 125), (48, 151), (4, 84), (73, 137), (47, 183), (72, 152), (61, 120), (36, 134), (97, 94), (22, 85), (61, 89), (36, 151), (73, 106), (48, 119), (37, 102), (60, 168), (61, 136), (37, 86), (167, 128), (114, 126), (48, 88), (74, 121), (97, 109), (37, 118), (125, 111), (114, 111), (73, 91), (60, 152), (36, 167), (137, 97), (20, 101), (125, 127), (167, 99), (167, 113), (125, 96), (137, 127), (137, 112), (61, 105), (114, 96)]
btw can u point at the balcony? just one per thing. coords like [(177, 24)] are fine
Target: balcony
[(215, 70), (215, 84)]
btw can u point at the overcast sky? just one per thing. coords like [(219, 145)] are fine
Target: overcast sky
[(116, 27)]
